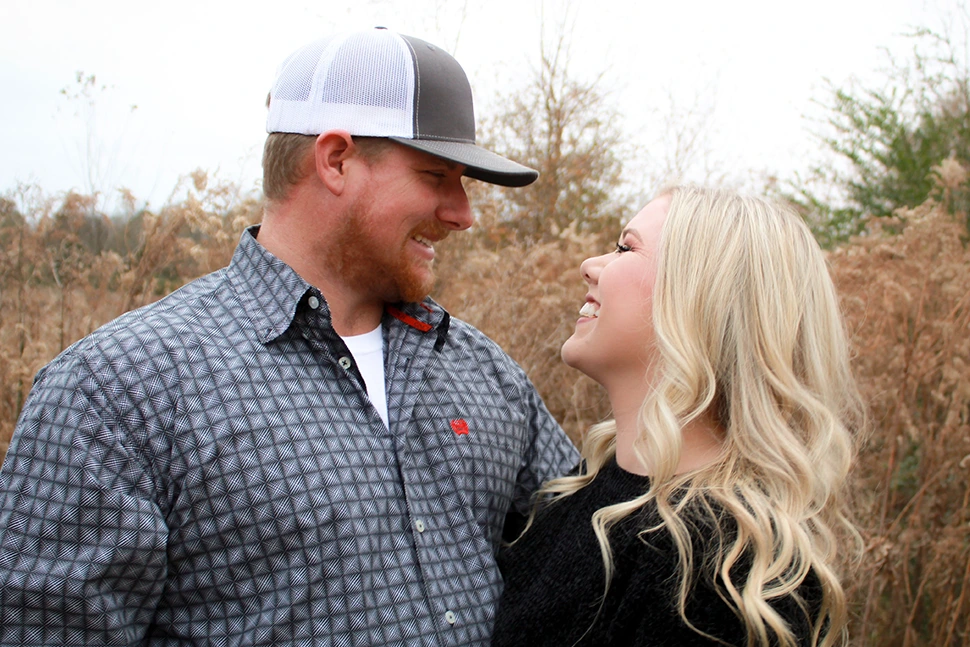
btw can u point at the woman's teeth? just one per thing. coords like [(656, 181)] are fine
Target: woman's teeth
[(589, 309)]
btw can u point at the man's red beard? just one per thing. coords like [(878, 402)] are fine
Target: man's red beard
[(365, 266)]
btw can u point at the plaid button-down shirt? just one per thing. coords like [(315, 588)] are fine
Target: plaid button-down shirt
[(208, 470)]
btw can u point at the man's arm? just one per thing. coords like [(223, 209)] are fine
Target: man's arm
[(82, 538), (550, 453)]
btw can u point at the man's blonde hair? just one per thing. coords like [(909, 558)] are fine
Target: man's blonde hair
[(288, 160)]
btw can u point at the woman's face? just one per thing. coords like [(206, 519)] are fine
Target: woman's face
[(613, 340)]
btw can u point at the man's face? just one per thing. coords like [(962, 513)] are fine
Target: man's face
[(406, 202)]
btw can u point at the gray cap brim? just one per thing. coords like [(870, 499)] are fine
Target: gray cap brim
[(479, 163)]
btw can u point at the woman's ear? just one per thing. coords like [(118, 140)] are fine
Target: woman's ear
[(331, 152)]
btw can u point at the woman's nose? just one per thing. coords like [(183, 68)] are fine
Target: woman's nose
[(590, 268)]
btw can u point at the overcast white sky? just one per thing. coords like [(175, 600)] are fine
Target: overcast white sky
[(198, 72)]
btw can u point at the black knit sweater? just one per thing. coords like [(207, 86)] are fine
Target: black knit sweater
[(554, 579)]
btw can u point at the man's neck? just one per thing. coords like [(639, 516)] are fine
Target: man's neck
[(350, 314), (349, 318)]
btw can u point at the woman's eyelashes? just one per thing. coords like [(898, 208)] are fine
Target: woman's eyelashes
[(621, 247)]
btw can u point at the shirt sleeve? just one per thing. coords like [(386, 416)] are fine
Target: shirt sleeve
[(82, 538), (550, 453)]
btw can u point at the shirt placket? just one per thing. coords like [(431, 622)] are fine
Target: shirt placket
[(444, 539)]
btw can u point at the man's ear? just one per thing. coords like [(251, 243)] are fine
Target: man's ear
[(331, 152)]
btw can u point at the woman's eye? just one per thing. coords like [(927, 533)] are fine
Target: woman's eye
[(620, 248)]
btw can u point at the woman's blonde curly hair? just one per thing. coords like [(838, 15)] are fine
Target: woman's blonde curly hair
[(748, 328)]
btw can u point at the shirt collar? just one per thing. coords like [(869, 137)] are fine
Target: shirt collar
[(270, 291)]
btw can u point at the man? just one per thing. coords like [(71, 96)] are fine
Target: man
[(300, 448)]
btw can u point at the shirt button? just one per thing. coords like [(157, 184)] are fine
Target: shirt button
[(419, 525), (313, 302), (450, 617), (345, 362)]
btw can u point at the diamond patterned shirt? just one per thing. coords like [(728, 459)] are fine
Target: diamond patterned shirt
[(208, 470)]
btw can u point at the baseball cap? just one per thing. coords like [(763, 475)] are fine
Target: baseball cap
[(379, 83)]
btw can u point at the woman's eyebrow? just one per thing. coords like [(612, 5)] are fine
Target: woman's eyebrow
[(632, 232)]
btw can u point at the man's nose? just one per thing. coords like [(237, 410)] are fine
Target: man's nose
[(454, 209)]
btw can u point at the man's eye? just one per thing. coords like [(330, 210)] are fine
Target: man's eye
[(620, 248)]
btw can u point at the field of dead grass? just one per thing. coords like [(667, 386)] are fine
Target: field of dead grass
[(905, 289)]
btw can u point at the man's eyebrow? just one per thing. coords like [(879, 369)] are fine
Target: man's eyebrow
[(448, 164), (434, 160)]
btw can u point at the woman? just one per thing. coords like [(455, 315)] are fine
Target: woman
[(708, 511)]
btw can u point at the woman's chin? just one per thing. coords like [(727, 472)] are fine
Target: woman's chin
[(572, 355), (566, 353)]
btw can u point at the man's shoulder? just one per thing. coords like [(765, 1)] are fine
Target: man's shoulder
[(190, 310), (470, 333), (464, 335)]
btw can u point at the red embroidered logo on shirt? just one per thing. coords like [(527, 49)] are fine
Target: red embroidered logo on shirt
[(459, 426)]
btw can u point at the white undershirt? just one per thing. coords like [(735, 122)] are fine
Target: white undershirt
[(368, 351)]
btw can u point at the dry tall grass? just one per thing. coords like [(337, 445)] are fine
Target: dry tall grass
[(905, 289), (65, 270), (527, 297), (907, 300)]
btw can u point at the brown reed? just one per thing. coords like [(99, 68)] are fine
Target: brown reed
[(905, 289)]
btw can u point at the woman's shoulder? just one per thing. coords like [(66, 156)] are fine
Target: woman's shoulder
[(610, 485)]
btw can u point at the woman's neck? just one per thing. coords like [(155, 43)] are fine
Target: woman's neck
[(625, 402), (701, 438)]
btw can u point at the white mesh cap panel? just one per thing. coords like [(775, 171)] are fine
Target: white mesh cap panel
[(378, 83), (294, 79), (362, 83)]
